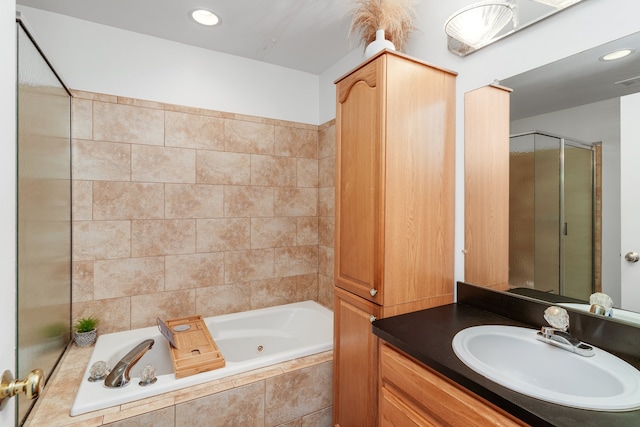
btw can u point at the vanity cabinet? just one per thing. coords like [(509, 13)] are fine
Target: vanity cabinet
[(393, 251), (411, 394)]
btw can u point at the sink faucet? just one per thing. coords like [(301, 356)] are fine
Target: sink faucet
[(119, 376), (564, 340), (557, 334)]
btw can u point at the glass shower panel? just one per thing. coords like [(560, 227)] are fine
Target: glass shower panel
[(521, 212), (44, 215), (551, 215), (547, 213), (578, 233)]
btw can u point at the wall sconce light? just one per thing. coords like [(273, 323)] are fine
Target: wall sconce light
[(477, 24)]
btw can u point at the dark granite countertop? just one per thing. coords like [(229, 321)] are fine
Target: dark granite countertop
[(426, 335)]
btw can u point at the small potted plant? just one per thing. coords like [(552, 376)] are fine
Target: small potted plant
[(86, 331)]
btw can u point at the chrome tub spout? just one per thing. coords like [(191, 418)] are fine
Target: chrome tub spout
[(119, 376)]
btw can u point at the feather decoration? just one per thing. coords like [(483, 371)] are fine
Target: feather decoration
[(395, 17)]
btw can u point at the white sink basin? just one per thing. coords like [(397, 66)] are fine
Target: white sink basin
[(512, 357), (617, 313)]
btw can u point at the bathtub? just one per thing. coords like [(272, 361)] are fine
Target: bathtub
[(247, 340)]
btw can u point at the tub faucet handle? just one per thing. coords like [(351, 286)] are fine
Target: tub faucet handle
[(98, 371), (148, 375)]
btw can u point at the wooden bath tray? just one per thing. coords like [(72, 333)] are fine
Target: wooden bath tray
[(196, 350)]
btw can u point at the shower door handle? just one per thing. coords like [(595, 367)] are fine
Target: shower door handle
[(31, 386), (632, 256)]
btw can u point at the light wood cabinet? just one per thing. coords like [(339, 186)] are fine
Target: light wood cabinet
[(486, 183), (395, 143), (411, 394), (355, 358)]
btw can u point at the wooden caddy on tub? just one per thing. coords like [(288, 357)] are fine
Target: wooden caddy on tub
[(195, 349)]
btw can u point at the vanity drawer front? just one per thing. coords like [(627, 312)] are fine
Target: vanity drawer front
[(395, 412), (427, 392)]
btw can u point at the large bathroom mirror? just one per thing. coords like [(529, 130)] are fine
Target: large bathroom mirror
[(591, 100)]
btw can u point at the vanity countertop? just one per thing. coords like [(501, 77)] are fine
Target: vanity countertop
[(426, 335)]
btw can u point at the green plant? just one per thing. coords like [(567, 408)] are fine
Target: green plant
[(395, 17), (55, 330), (86, 324)]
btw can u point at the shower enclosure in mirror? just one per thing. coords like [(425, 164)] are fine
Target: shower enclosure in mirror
[(553, 215), (44, 214)]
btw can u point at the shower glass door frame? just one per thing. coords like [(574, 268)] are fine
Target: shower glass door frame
[(567, 149)]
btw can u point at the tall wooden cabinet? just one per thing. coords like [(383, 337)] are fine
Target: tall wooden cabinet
[(395, 142), (486, 186)]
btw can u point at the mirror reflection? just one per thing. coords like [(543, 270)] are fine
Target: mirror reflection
[(589, 102)]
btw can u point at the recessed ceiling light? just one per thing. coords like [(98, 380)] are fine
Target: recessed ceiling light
[(205, 17), (616, 54)]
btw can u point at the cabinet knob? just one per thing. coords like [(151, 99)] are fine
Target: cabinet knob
[(372, 318), (373, 292)]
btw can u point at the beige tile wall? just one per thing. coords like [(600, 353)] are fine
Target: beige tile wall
[(326, 211), (180, 211)]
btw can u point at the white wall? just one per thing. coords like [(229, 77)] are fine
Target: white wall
[(103, 59), (595, 122), (326, 86), (8, 197)]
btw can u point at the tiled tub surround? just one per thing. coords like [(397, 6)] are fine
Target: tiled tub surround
[(292, 394), (180, 211)]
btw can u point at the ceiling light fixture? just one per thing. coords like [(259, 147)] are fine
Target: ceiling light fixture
[(476, 24), (558, 4), (205, 17), (617, 54)]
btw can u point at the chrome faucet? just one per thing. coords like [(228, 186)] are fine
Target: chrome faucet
[(565, 341), (119, 376), (557, 334)]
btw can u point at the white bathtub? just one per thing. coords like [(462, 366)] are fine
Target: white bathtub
[(284, 333)]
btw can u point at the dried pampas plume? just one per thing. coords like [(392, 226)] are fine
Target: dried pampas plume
[(395, 17)]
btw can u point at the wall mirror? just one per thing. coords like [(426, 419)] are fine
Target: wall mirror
[(586, 98), (481, 23)]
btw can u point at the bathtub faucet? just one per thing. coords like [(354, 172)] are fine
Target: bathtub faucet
[(119, 376)]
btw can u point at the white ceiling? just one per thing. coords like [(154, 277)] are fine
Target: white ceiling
[(312, 35), (306, 35)]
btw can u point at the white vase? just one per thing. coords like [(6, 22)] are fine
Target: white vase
[(378, 44)]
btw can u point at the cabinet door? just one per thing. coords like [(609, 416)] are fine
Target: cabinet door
[(355, 361), (358, 180)]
